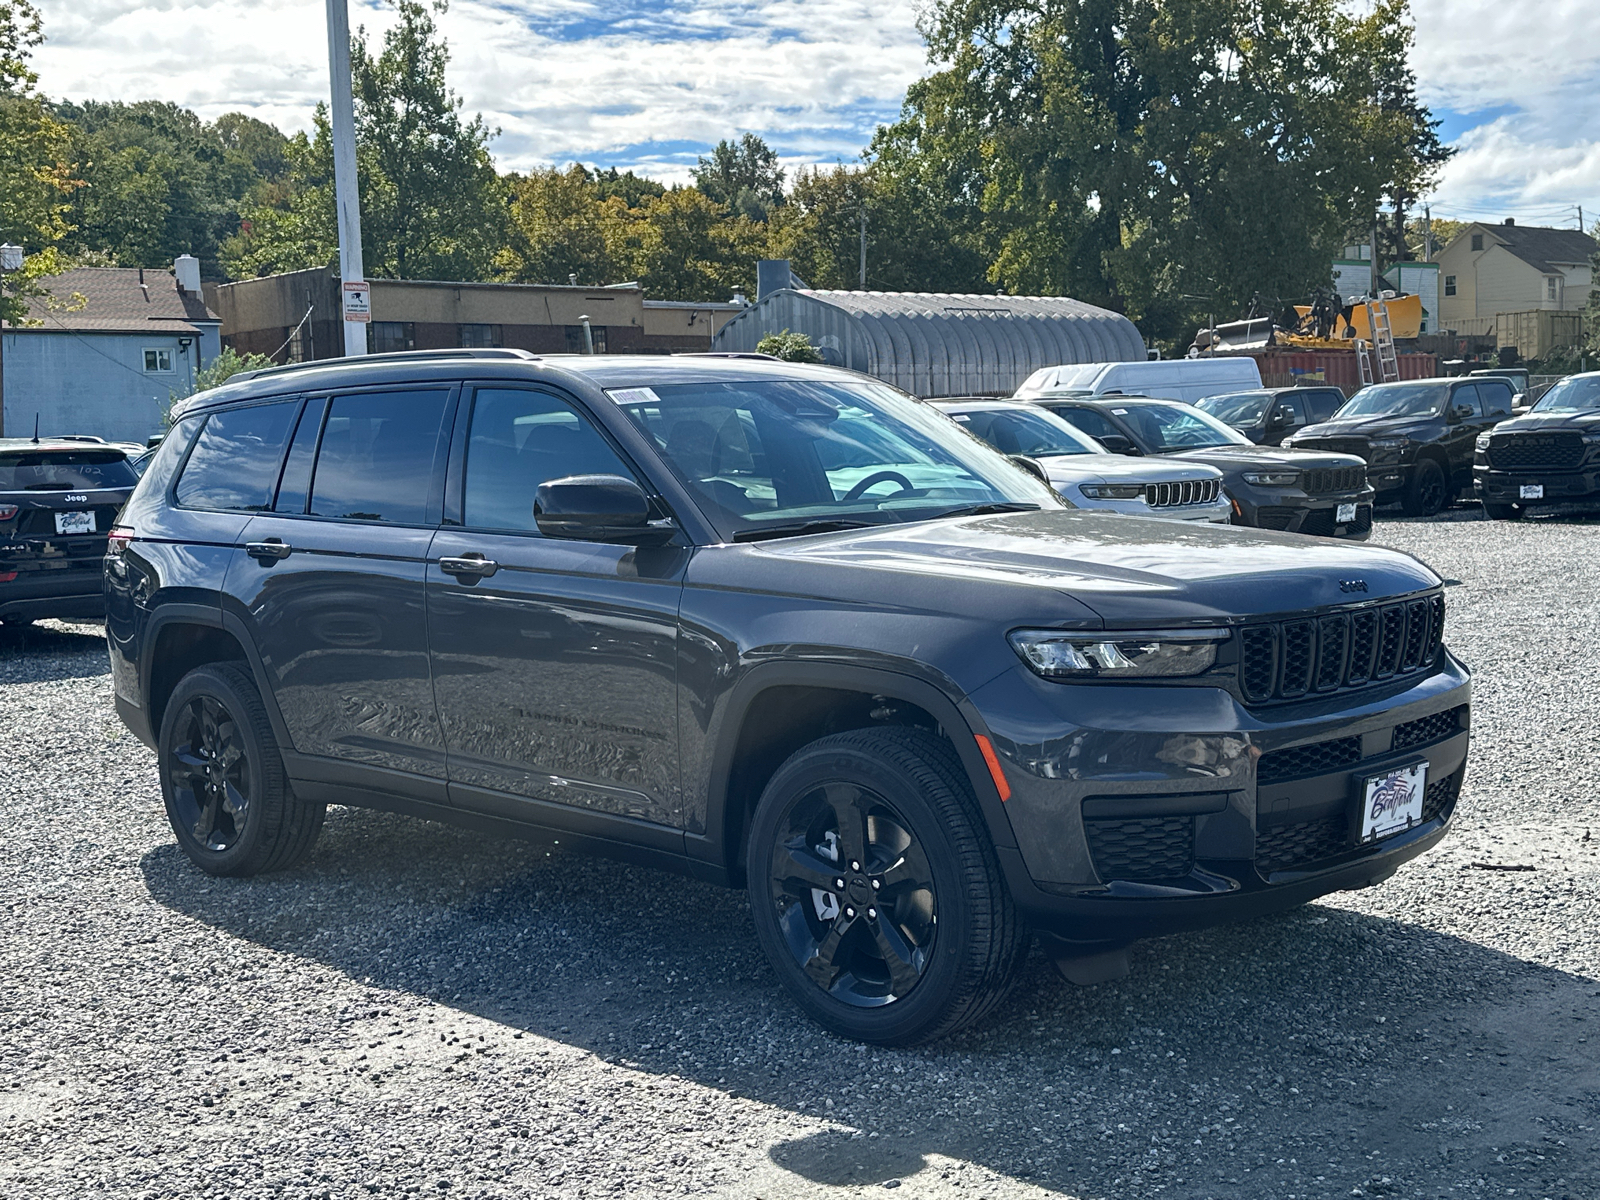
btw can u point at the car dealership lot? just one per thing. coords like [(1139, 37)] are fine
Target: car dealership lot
[(420, 1008)]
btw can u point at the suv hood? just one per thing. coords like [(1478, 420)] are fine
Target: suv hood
[(1573, 422), (1119, 468), (1071, 567), (1239, 458), (1368, 427)]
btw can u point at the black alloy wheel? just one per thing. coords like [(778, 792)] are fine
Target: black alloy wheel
[(228, 798), (875, 890), (1425, 495), (854, 894)]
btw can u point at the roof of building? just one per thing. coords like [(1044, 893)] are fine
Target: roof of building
[(1542, 247), (117, 300), (940, 343)]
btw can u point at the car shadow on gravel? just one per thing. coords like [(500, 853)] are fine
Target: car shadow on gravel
[(1254, 1059), (39, 653)]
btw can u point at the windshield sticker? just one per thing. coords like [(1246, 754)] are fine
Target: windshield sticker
[(1121, 412), (962, 417), (635, 395)]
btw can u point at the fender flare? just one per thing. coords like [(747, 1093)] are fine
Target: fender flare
[(213, 617)]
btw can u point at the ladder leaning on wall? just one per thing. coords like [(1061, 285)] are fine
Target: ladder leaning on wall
[(1382, 342)]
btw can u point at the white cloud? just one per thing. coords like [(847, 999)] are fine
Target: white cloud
[(598, 89)]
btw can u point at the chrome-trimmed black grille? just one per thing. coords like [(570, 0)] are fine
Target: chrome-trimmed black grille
[(1284, 660), (1531, 451), (1142, 848), (1187, 491), (1321, 480)]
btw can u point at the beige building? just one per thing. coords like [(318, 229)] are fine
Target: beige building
[(296, 317), (1489, 270)]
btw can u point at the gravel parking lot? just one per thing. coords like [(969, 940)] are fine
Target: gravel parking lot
[(422, 1010)]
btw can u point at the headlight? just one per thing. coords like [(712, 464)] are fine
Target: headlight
[(1272, 478), (1391, 443), (1146, 655), (1589, 439), (1287, 443), (1112, 491), (1483, 441)]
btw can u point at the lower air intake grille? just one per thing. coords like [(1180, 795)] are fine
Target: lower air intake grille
[(1301, 844), (1142, 848), (1428, 729), (1316, 759)]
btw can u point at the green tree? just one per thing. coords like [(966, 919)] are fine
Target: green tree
[(791, 347), (683, 246), (633, 190), (742, 175), (1130, 152), (432, 206), (35, 179), (560, 226)]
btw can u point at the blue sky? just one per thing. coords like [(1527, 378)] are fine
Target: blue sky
[(651, 84)]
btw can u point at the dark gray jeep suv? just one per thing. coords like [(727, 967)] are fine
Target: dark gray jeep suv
[(777, 626)]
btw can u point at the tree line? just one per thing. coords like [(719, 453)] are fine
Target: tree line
[(1164, 160)]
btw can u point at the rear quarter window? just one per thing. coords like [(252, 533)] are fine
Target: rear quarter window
[(235, 461)]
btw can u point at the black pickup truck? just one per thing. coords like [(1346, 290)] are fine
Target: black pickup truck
[(1550, 455)]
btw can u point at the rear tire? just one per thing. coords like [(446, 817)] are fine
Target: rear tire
[(228, 798), (923, 938), (1425, 495), (1503, 512)]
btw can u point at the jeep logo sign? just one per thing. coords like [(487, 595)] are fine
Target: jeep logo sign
[(1352, 585)]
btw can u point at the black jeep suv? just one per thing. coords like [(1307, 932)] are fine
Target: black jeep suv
[(1550, 455), (773, 625), (1416, 435), (1296, 491), (58, 497)]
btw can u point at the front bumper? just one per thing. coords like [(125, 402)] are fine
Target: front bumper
[(1294, 511), (1168, 808), (1560, 487)]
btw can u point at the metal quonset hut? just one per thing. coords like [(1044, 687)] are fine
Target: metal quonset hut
[(937, 343)]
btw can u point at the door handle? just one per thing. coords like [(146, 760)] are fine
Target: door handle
[(469, 567), (268, 552)]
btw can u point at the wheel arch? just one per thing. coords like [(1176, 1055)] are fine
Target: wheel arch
[(181, 637), (815, 700)]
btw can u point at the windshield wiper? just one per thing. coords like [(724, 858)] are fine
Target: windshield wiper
[(984, 510), (797, 530)]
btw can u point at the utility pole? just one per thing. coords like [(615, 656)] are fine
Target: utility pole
[(863, 270), (346, 188), (1427, 233)]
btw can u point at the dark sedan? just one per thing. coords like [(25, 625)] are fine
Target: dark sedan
[(58, 498), (1271, 488)]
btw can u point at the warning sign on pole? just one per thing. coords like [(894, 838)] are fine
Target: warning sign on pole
[(358, 301)]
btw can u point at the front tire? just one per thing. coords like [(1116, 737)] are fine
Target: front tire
[(875, 889), (228, 799), (1427, 492)]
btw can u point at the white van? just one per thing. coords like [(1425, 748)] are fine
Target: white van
[(1187, 379)]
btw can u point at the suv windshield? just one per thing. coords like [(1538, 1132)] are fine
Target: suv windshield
[(765, 454), (1031, 431), (1164, 427), (1397, 400), (1576, 393), (65, 471), (1241, 409)]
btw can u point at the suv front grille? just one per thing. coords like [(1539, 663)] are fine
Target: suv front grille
[(1306, 843), (1529, 451), (1285, 660), (1142, 848), (1190, 491), (1334, 479)]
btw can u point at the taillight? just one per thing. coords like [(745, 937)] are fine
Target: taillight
[(7, 511), (7, 576), (117, 540)]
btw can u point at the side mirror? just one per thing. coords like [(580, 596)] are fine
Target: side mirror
[(598, 508), (1460, 412), (1281, 418), (1031, 466), (1117, 444)]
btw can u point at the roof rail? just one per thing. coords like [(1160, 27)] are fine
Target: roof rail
[(395, 356), (726, 354)]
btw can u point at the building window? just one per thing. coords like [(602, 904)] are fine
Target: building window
[(386, 337), (1477, 241), (1549, 287), (480, 336), (158, 362), (575, 339), (1449, 285)]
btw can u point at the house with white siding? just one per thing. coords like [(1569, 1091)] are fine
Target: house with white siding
[(1490, 270)]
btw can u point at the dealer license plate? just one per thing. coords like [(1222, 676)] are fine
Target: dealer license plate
[(1393, 801), (75, 522), (1531, 491), (1345, 514)]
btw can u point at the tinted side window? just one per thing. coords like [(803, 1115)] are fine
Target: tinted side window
[(1465, 396), (518, 440), (1091, 422), (295, 487), (235, 461), (1495, 399), (377, 457)]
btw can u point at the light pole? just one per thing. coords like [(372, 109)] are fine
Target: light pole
[(346, 188)]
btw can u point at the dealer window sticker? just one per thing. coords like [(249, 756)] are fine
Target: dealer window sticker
[(633, 395)]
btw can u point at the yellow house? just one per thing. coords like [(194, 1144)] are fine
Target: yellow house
[(1487, 270)]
